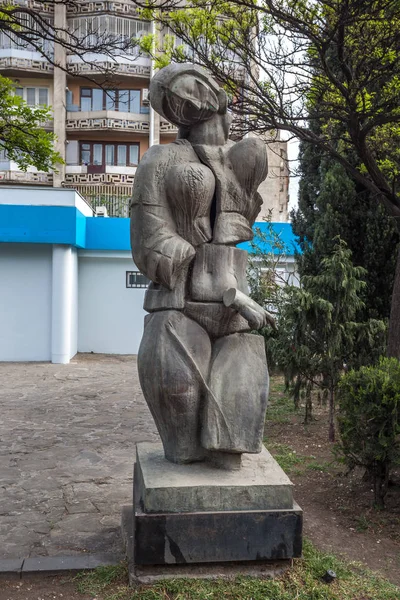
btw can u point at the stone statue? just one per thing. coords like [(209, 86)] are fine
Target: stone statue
[(203, 375)]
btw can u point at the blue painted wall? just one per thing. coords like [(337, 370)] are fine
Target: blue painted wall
[(280, 240), (107, 233), (67, 225), (42, 225)]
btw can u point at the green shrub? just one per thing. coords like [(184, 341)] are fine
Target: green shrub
[(369, 423)]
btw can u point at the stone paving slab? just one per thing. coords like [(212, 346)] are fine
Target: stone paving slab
[(11, 567), (67, 447), (42, 565)]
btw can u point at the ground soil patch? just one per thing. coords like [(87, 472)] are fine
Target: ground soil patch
[(338, 512)]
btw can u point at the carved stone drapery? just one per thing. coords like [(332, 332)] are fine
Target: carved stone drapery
[(202, 372)]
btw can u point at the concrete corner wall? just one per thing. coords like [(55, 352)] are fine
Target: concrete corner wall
[(25, 302), (110, 315)]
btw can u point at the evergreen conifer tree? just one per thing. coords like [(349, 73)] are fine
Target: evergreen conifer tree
[(331, 203)]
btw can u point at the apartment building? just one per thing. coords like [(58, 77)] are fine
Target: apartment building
[(102, 133)]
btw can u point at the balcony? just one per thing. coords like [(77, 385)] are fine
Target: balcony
[(107, 120), (102, 64), (76, 175), (106, 190), (9, 173), (17, 61), (42, 7), (86, 7), (167, 127), (116, 32)]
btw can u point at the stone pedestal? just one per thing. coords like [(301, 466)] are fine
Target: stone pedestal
[(188, 519)]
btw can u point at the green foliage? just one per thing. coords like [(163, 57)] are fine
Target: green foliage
[(319, 326), (286, 457), (21, 131), (280, 409), (333, 62), (268, 253), (370, 421), (331, 203), (94, 582), (301, 582)]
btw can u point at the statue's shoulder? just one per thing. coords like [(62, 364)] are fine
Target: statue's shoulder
[(160, 152)]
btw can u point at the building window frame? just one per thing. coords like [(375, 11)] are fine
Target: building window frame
[(22, 92), (112, 99), (136, 279), (91, 148)]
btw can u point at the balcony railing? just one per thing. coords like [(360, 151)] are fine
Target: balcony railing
[(114, 32), (42, 7), (31, 29), (103, 65), (167, 127), (122, 7), (107, 119), (12, 42), (14, 176), (115, 198), (82, 175)]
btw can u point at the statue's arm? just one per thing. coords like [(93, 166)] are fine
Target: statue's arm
[(157, 249)]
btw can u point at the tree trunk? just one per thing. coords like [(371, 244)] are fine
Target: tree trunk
[(381, 480), (331, 415), (308, 414), (393, 348), (296, 392)]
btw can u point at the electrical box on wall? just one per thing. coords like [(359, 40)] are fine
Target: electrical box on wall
[(100, 211)]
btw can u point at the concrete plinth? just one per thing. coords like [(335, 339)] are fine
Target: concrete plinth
[(164, 487), (188, 519)]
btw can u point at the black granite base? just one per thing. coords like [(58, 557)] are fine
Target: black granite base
[(150, 574), (211, 537), (216, 537), (198, 539)]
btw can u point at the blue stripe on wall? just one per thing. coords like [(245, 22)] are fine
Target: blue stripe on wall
[(107, 233), (67, 225), (41, 224), (280, 241)]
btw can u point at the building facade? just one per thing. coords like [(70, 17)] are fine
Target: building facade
[(68, 280), (102, 132)]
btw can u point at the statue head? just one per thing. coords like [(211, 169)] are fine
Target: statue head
[(186, 94)]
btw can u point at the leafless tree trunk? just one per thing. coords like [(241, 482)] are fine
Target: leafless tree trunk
[(331, 414), (393, 348), (308, 416)]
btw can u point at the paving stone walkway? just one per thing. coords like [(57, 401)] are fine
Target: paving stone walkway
[(67, 439)]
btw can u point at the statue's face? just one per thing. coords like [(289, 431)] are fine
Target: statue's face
[(189, 100)]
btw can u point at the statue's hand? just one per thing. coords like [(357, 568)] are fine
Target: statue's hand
[(256, 316)]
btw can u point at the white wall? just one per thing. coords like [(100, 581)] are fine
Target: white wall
[(44, 196), (74, 307), (110, 315), (64, 317), (25, 302)]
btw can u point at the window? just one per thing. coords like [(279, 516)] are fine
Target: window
[(97, 154), (30, 28), (33, 96), (135, 279), (121, 155), (110, 154), (134, 154), (3, 154), (119, 31), (121, 100), (113, 154), (85, 154)]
